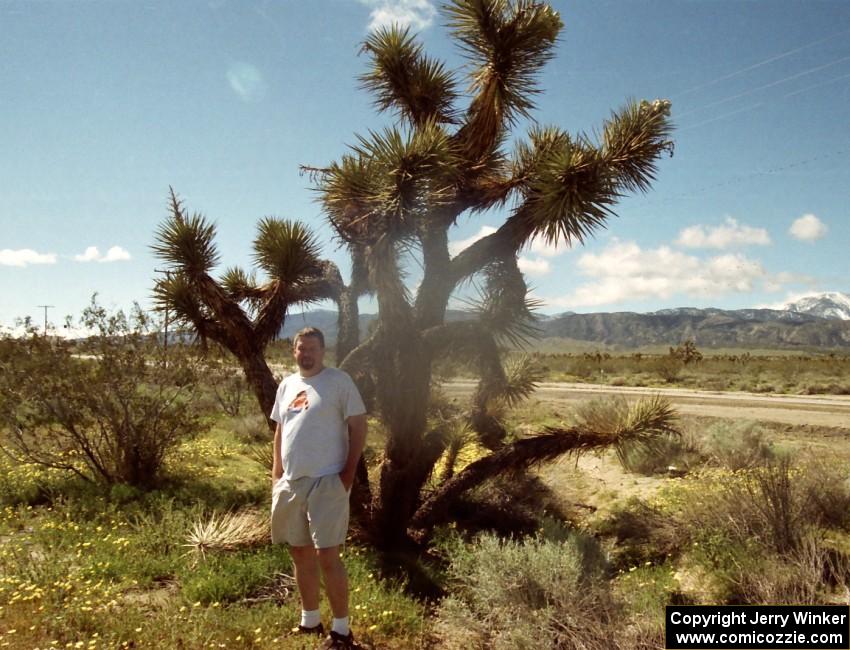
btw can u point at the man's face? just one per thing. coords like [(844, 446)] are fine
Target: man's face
[(309, 354)]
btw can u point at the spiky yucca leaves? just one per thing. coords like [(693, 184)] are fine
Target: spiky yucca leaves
[(456, 438), (229, 532), (507, 44), (403, 78), (504, 306), (522, 375), (646, 423), (242, 287), (264, 457), (286, 250), (390, 184), (633, 139), (186, 242), (176, 292), (600, 426)]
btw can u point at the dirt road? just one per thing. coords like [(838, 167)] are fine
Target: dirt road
[(818, 410)]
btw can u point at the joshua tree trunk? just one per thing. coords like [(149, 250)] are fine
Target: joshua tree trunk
[(260, 379), (348, 323)]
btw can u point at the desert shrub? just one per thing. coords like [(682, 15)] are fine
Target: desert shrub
[(583, 367), (642, 533), (528, 594), (767, 504), (227, 388), (508, 505), (826, 488), (670, 453), (108, 408), (669, 368), (831, 388), (230, 389), (736, 445), (749, 572), (759, 532), (251, 429)]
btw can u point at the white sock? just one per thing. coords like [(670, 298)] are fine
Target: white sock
[(340, 626), (311, 618)]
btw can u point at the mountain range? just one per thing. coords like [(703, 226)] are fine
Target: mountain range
[(819, 321)]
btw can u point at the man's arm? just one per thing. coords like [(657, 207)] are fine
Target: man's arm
[(356, 442), (277, 465)]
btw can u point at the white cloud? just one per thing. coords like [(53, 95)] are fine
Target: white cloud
[(538, 266), (538, 246), (418, 14), (808, 228), (92, 254), (730, 233), (25, 257), (625, 272), (116, 254), (456, 247), (247, 82)]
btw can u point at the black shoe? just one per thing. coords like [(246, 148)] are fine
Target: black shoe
[(318, 630), (336, 641)]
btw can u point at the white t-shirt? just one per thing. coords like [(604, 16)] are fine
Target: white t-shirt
[(312, 412)]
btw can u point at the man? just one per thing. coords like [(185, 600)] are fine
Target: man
[(320, 434)]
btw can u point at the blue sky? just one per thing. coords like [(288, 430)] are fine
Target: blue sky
[(106, 104)]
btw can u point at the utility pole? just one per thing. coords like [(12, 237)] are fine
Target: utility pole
[(46, 307)]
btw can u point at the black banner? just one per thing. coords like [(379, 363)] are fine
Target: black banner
[(761, 627)]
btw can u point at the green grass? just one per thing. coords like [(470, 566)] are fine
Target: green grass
[(99, 567), (91, 567)]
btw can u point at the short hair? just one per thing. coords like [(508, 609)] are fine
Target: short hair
[(309, 331)]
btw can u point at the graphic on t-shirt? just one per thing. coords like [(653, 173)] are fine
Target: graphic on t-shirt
[(299, 403)]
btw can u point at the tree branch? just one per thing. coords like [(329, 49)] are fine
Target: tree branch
[(643, 423)]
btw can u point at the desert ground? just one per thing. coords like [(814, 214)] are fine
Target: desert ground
[(814, 410)]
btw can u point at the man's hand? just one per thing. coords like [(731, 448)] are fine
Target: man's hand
[(347, 479), (356, 442)]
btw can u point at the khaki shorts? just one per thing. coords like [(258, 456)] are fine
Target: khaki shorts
[(310, 511)]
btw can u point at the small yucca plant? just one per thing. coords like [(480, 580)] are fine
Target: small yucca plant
[(229, 531), (263, 456)]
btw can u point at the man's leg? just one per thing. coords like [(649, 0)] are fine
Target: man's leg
[(336, 580), (306, 575)]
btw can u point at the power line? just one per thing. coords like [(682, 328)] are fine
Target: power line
[(768, 85), (818, 85), (767, 61), (745, 177)]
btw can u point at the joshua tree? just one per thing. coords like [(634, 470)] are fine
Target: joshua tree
[(403, 189), (236, 311)]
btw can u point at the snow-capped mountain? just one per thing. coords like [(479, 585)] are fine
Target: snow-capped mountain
[(832, 304)]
